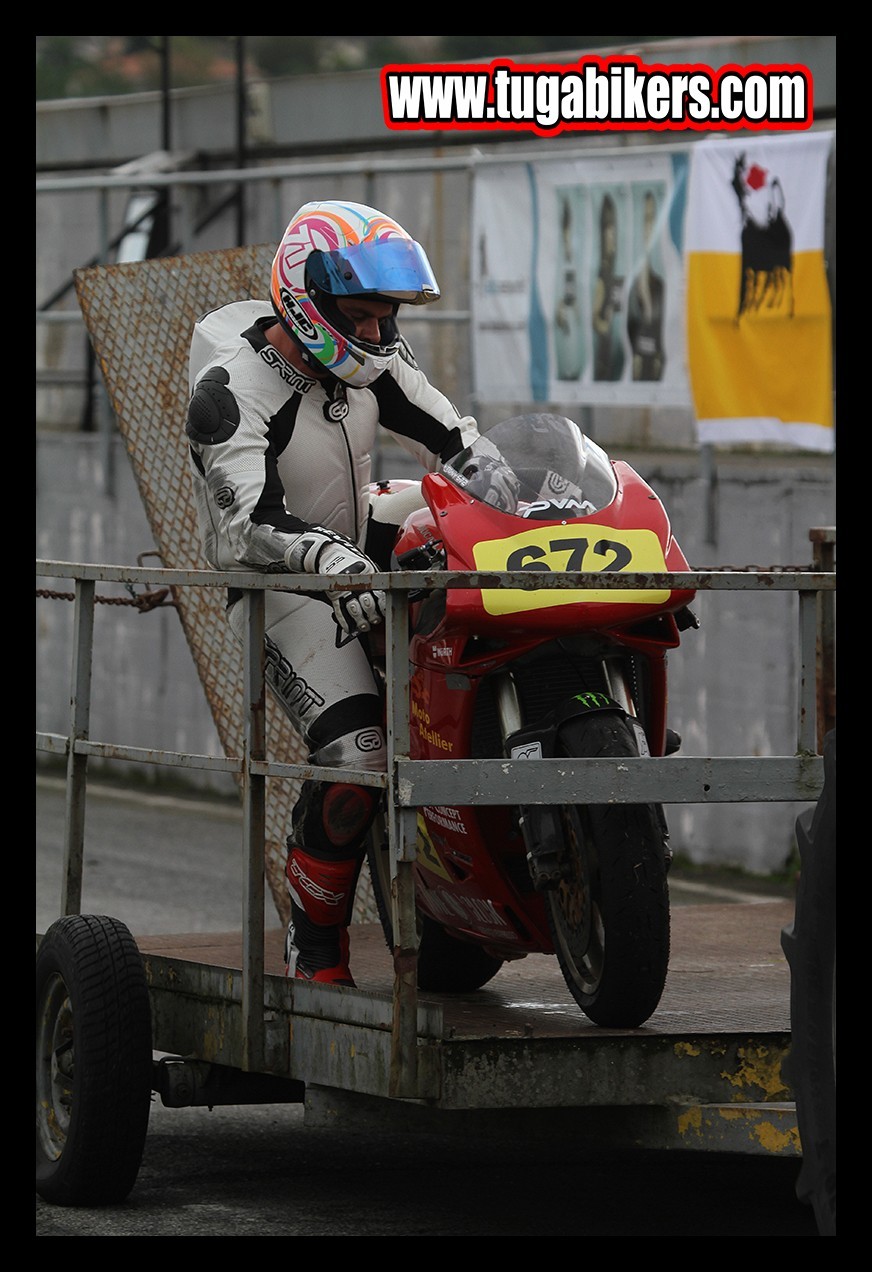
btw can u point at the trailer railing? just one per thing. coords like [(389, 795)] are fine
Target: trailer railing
[(410, 784)]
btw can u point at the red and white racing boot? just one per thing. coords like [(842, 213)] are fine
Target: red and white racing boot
[(322, 895)]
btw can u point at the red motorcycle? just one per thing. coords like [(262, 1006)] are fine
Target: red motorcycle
[(511, 673)]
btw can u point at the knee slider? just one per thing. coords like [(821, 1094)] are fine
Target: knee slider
[(331, 819)]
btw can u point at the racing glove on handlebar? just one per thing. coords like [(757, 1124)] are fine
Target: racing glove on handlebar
[(490, 478), (321, 551)]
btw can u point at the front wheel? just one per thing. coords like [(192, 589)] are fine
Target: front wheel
[(446, 964), (609, 915), (93, 1061)]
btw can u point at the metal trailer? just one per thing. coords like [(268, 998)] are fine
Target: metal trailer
[(222, 1025)]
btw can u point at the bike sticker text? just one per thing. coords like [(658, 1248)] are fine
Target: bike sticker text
[(477, 912), (430, 735), (589, 548), (447, 818)]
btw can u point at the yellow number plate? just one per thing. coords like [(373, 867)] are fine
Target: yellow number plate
[(586, 548)]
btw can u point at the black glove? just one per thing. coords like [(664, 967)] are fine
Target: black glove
[(490, 478)]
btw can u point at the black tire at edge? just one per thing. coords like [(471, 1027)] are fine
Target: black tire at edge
[(95, 961), (809, 944)]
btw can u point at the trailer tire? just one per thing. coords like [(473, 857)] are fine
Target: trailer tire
[(809, 944), (93, 1061)]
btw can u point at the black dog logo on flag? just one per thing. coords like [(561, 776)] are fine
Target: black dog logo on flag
[(767, 241)]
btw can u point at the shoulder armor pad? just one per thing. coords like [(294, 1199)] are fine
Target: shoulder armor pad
[(213, 412)]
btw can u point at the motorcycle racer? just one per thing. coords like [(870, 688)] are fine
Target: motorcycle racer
[(286, 397)]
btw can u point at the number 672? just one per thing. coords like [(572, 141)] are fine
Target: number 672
[(532, 557)]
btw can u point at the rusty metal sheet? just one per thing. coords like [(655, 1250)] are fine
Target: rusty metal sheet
[(139, 318)]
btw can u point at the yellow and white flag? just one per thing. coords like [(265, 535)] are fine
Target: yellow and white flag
[(759, 317)]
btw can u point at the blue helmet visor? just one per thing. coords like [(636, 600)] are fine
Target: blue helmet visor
[(395, 268)]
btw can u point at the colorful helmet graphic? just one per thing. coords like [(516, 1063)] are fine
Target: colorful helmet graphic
[(336, 249)]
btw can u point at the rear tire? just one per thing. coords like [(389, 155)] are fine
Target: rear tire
[(609, 917), (93, 1062), (446, 965)]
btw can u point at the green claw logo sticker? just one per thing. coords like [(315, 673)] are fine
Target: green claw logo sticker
[(593, 700)]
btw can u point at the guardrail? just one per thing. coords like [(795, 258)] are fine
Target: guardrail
[(410, 784)]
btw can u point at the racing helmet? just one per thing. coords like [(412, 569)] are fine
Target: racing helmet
[(334, 249)]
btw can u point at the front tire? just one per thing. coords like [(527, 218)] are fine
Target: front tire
[(446, 965), (609, 916), (93, 1062)]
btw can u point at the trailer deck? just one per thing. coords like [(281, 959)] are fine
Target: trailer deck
[(704, 1073)]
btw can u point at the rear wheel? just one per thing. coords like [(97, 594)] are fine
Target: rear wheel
[(609, 915), (446, 965), (93, 1061)]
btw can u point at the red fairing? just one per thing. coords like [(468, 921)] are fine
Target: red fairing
[(472, 876), (478, 537)]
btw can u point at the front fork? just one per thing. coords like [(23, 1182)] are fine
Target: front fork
[(540, 824), (509, 705)]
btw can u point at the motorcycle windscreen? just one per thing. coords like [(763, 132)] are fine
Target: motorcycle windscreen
[(541, 467)]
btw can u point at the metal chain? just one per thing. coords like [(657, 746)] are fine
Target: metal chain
[(144, 602)]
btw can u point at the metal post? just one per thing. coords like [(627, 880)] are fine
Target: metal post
[(241, 149), (401, 841), (184, 215), (104, 412), (165, 95), (807, 672), (254, 830), (824, 558), (77, 764), (709, 470), (280, 217)]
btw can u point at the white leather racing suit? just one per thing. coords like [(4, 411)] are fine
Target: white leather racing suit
[(273, 455)]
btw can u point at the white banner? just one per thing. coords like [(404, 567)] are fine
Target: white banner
[(578, 281), (759, 315)]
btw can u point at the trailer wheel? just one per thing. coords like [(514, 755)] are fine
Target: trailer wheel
[(809, 944), (93, 1061)]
